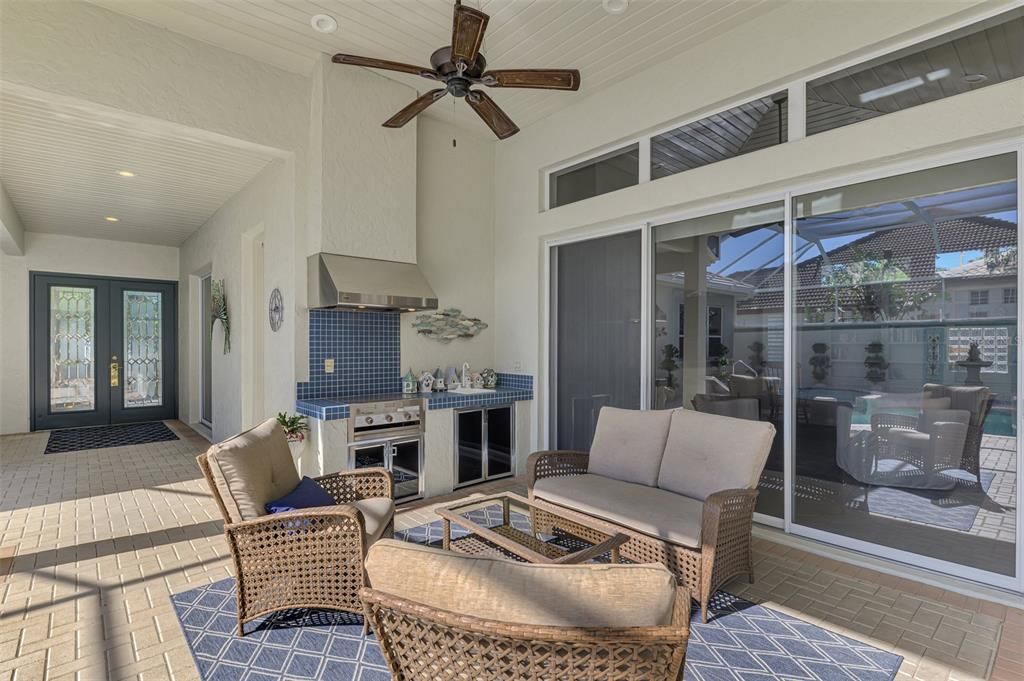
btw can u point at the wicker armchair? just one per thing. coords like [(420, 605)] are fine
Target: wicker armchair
[(307, 558), (423, 640), (725, 550)]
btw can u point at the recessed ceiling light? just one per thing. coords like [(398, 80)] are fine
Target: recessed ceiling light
[(973, 78), (323, 23), (110, 218), (615, 6), (125, 173)]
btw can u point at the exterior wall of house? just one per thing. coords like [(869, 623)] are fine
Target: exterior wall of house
[(801, 39), (67, 254)]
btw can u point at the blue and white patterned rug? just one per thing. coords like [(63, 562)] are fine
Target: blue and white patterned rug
[(741, 642)]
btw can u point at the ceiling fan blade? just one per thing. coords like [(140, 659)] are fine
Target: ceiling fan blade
[(468, 26), (372, 63), (496, 119), (414, 108), (542, 79)]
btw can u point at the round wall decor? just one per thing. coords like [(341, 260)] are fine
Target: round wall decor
[(276, 309)]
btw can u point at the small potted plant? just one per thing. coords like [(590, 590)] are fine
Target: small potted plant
[(295, 428)]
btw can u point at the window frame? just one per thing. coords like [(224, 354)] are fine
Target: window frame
[(795, 87)]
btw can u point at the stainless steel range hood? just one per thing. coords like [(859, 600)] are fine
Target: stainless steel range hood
[(364, 283)]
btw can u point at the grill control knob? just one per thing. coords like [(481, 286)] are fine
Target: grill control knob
[(389, 418), (369, 420), (408, 416)]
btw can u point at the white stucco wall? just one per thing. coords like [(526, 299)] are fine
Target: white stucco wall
[(368, 192), (222, 247), (790, 42), (12, 232), (69, 255), (454, 242)]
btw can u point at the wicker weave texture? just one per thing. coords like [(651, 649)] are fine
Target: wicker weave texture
[(420, 643), (725, 551), (310, 558)]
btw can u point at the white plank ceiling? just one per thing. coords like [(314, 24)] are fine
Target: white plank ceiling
[(521, 34), (60, 165)]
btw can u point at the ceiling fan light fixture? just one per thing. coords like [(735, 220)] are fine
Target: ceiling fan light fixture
[(615, 6), (323, 23)]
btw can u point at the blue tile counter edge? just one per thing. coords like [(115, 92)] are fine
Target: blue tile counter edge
[(511, 388)]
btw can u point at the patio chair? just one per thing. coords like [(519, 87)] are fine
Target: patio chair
[(440, 615), (307, 558), (915, 452), (977, 400)]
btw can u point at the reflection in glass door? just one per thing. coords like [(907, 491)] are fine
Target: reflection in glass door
[(718, 324), (905, 351), (596, 333), (103, 351)]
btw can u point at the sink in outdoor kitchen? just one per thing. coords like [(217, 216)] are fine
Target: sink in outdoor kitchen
[(472, 391)]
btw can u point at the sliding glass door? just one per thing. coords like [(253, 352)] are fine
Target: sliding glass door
[(595, 333), (875, 325), (717, 328), (905, 352)]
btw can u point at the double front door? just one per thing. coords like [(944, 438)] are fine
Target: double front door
[(103, 351)]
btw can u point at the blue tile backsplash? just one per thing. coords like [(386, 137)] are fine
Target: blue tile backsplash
[(366, 349)]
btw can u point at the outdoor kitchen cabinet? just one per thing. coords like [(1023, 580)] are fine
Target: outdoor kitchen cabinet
[(484, 444)]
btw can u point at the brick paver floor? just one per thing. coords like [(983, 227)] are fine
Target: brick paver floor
[(92, 544)]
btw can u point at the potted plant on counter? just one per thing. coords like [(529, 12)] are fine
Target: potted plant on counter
[(295, 429)]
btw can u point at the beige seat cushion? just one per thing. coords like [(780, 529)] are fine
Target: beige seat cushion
[(251, 469), (377, 514), (589, 595), (707, 453), (628, 444), (652, 511)]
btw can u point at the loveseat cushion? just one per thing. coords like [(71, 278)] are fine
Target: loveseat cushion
[(588, 595), (251, 469), (649, 510), (707, 453), (628, 444)]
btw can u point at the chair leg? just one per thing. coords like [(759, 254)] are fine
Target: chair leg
[(241, 627), (366, 625)]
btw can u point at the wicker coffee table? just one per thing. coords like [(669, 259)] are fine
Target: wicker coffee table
[(482, 539)]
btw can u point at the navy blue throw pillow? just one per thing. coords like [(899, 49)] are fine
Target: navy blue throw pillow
[(308, 494)]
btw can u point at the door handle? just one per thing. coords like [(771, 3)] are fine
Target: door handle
[(115, 372)]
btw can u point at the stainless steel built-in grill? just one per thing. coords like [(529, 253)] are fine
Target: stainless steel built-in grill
[(389, 434)]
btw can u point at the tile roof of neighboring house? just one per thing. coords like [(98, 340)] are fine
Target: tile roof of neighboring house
[(911, 248)]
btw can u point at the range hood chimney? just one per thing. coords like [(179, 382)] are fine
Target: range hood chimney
[(366, 284)]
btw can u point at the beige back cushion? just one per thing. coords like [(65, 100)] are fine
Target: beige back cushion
[(707, 453), (588, 595), (251, 469), (628, 444)]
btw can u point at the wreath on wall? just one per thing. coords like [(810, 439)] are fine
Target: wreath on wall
[(219, 311)]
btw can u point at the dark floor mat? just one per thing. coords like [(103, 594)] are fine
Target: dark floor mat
[(101, 437)]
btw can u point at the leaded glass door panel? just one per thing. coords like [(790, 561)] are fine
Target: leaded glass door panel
[(142, 342), (70, 323)]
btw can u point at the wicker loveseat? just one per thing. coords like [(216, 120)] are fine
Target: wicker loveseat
[(441, 615), (682, 485), (307, 558)]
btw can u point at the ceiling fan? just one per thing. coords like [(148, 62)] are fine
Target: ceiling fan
[(460, 66)]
